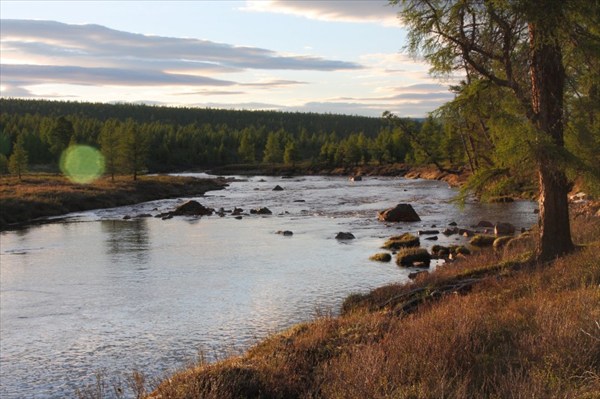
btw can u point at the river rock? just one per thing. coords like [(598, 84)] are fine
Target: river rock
[(278, 188), (484, 223), (405, 240), (428, 232), (344, 236), (287, 233), (482, 240), (410, 257), (399, 213), (355, 178), (261, 211), (449, 232), (504, 229), (192, 208)]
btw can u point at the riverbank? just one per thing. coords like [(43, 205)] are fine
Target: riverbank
[(490, 325), (454, 178), (44, 195)]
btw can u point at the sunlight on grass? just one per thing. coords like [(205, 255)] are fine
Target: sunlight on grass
[(82, 164)]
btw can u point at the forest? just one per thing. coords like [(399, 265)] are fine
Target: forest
[(169, 138), (480, 131)]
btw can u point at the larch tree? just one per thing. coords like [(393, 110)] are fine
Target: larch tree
[(18, 161), (133, 148), (519, 45), (109, 140)]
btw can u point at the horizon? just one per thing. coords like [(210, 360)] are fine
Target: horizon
[(335, 57)]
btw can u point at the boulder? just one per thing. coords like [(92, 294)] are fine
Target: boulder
[(261, 211), (192, 208), (399, 213), (459, 250), (449, 232), (355, 178), (484, 223), (504, 229), (440, 251), (381, 257), (285, 233), (482, 240), (405, 240), (432, 238), (237, 211), (466, 232), (344, 236), (278, 188), (410, 257)]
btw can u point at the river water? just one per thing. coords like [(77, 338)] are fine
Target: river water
[(95, 292)]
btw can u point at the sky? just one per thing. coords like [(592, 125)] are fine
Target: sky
[(337, 56)]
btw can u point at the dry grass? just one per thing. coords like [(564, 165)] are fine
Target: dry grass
[(43, 195), (519, 330)]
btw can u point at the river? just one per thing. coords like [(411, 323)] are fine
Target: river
[(96, 292)]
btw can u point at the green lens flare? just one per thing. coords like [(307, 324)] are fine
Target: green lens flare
[(82, 164)]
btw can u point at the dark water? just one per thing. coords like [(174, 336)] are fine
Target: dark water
[(99, 292)]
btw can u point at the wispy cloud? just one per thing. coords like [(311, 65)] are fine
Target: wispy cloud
[(357, 11), (46, 51), (42, 74)]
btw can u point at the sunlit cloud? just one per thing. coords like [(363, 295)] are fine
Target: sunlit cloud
[(371, 11), (40, 52)]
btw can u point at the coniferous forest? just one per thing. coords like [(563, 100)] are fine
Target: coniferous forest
[(479, 132)]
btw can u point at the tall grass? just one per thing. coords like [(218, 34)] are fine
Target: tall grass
[(520, 330)]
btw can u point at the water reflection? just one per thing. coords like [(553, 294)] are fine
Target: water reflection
[(126, 239)]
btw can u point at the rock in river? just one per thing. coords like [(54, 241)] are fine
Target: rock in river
[(344, 236), (400, 213)]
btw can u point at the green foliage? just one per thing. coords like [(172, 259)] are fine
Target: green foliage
[(59, 136), (133, 149), (18, 161), (273, 152), (290, 154), (3, 164), (109, 146)]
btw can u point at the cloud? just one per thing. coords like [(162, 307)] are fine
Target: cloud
[(356, 11), (42, 74), (83, 45), (274, 83), (41, 52)]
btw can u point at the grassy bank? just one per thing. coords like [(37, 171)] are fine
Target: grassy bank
[(43, 195), (488, 326)]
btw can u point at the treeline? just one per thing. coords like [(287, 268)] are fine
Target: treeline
[(481, 130), (164, 139)]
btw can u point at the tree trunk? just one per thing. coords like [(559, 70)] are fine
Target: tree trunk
[(548, 80)]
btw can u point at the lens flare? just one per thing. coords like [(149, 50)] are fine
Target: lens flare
[(82, 164)]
